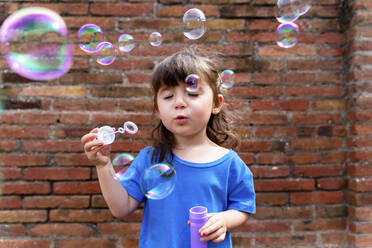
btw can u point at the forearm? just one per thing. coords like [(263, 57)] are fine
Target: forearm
[(234, 218), (113, 192)]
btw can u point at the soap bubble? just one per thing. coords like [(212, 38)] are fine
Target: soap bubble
[(227, 79), (90, 36), (105, 53), (35, 43), (126, 43), (155, 39), (121, 165), (194, 24), (192, 83), (158, 181), (287, 35), (286, 11), (302, 6)]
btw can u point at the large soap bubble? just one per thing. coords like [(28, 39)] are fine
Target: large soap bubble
[(194, 24), (158, 181), (286, 11), (35, 43)]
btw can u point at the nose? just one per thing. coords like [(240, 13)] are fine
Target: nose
[(179, 102)]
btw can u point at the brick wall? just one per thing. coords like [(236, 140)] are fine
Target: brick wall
[(304, 118)]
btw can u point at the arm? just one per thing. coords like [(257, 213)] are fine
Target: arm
[(119, 201), (219, 223)]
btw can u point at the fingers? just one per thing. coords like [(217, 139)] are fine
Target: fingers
[(214, 230), (89, 136)]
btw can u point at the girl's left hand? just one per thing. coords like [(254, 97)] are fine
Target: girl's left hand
[(215, 229)]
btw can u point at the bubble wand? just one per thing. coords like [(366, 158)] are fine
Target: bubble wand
[(106, 134)]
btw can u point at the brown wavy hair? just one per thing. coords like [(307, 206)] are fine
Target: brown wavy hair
[(171, 72)]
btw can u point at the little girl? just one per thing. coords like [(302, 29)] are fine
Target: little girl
[(192, 127)]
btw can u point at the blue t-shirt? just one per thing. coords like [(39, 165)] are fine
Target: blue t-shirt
[(224, 184)]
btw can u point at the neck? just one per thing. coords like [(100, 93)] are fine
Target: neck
[(195, 141)]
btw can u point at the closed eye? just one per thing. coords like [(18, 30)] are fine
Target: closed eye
[(193, 94), (168, 97)]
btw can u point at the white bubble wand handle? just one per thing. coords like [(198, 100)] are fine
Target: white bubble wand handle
[(106, 134)]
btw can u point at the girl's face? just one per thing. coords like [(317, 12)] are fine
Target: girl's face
[(186, 114)]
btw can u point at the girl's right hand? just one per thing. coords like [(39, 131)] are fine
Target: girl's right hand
[(96, 151)]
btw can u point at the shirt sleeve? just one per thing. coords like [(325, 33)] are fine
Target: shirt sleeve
[(241, 194), (132, 183)]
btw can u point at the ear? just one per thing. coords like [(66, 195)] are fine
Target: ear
[(217, 108)]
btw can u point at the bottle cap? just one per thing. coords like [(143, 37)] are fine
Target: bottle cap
[(198, 212)]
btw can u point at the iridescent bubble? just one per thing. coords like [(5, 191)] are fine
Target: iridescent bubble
[(302, 6), (158, 181), (155, 39), (192, 83), (227, 79), (287, 35), (121, 166), (105, 53), (194, 24), (35, 43), (126, 43), (286, 11), (90, 36)]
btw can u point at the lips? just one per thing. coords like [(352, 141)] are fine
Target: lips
[(181, 119)]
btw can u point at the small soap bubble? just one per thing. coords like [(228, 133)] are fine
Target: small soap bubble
[(35, 43), (126, 43), (105, 53), (158, 181), (286, 11), (194, 24), (227, 79), (287, 35), (90, 36), (192, 83), (155, 39), (121, 166)]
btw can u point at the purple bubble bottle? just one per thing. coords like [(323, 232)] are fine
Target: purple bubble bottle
[(198, 217)]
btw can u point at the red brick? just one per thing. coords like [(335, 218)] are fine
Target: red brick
[(271, 198), (29, 243), (121, 9), (46, 230), (55, 202), (10, 202), (89, 242), (27, 216), (286, 240), (318, 171), (119, 228), (76, 188), (316, 197), (10, 188), (321, 224), (360, 213), (284, 185), (270, 172), (92, 215)]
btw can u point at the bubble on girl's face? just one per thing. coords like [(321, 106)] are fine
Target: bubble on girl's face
[(287, 35), (35, 43), (126, 43), (194, 24), (192, 83), (227, 79), (155, 39), (90, 36), (105, 53), (121, 164), (158, 181), (302, 6), (286, 11)]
